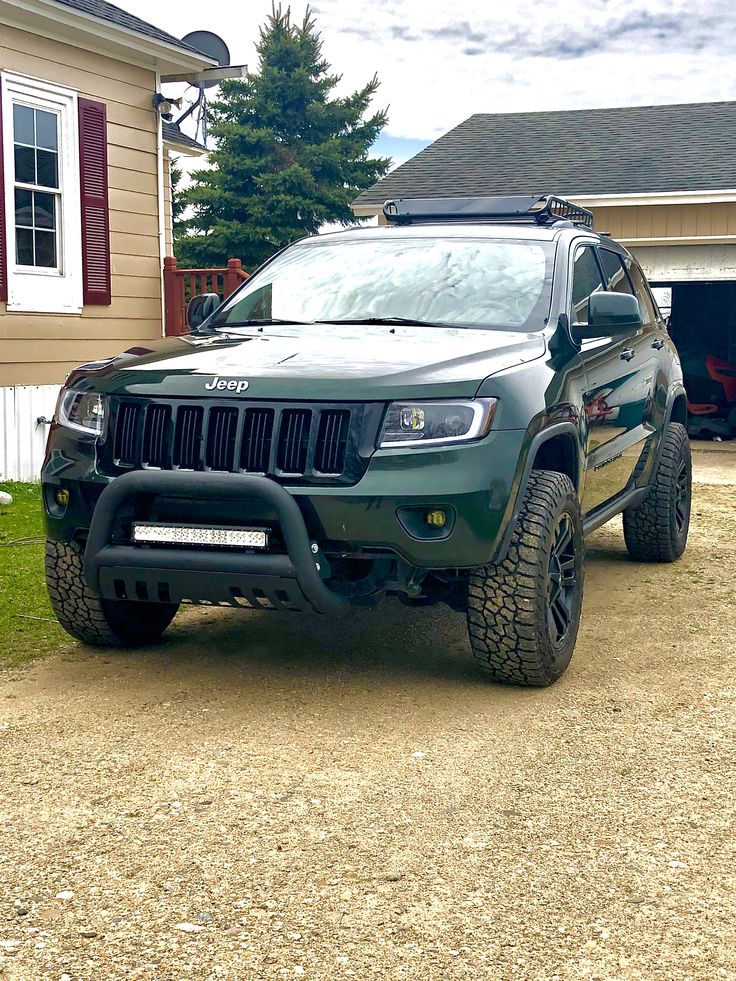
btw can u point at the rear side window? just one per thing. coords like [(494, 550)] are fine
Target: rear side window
[(586, 279), (641, 291), (616, 279)]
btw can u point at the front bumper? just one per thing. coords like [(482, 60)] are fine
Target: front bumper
[(289, 581), (476, 483)]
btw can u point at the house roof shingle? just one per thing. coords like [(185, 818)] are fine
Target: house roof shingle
[(172, 134), (121, 18), (638, 149)]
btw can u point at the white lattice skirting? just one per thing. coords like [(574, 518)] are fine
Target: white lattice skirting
[(22, 437)]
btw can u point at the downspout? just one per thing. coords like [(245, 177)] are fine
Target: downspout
[(161, 206)]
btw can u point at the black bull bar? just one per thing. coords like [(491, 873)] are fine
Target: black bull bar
[(289, 581)]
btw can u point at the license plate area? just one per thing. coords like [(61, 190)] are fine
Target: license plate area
[(199, 536)]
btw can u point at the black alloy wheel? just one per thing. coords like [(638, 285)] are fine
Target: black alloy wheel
[(682, 496), (562, 582)]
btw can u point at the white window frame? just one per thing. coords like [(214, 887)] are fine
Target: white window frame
[(34, 289)]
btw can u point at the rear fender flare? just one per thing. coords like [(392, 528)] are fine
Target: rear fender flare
[(675, 393)]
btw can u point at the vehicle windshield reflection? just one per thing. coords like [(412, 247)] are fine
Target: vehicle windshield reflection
[(474, 282)]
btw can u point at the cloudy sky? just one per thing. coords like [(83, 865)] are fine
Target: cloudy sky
[(440, 62)]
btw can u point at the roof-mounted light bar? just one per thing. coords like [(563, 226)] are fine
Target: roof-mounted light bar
[(542, 209)]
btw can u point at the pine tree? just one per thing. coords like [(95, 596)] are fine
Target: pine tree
[(289, 155), (178, 201)]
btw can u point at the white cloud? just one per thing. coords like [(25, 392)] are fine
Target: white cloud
[(439, 63)]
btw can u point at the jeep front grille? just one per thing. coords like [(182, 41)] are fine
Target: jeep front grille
[(286, 441)]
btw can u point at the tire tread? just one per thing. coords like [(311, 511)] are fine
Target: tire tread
[(506, 599)]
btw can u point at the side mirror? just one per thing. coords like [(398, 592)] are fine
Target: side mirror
[(609, 315), (201, 307)]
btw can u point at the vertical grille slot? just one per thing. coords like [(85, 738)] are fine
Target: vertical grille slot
[(291, 452), (157, 436), (255, 452), (187, 437), (332, 441), (126, 449), (221, 432)]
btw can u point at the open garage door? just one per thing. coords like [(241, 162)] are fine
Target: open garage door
[(703, 326), (695, 286)]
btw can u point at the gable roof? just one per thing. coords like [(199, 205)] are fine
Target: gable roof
[(637, 149), (121, 18)]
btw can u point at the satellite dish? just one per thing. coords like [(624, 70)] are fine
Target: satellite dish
[(211, 45)]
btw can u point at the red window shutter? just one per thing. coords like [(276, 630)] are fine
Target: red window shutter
[(3, 247), (95, 202)]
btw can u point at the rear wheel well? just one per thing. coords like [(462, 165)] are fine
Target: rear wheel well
[(559, 454), (679, 410)]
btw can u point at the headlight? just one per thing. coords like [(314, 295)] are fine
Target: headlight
[(83, 411), (429, 423)]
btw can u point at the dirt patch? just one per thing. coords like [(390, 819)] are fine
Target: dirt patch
[(275, 797)]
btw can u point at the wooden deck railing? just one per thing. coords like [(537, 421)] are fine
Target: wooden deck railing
[(180, 285)]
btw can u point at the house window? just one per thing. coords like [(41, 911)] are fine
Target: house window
[(37, 194), (42, 196)]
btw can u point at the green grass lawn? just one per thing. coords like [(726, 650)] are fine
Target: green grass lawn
[(27, 625)]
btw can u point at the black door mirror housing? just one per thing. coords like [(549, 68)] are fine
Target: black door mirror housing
[(610, 315), (200, 307)]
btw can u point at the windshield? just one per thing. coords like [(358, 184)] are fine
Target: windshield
[(458, 281)]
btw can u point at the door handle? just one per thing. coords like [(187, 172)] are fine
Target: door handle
[(658, 344), (627, 354)]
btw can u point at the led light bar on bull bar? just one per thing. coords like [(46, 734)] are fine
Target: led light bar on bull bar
[(169, 534)]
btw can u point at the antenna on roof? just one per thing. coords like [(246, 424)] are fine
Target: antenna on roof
[(213, 46)]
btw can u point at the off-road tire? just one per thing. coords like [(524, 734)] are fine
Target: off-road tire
[(84, 615), (656, 529), (509, 601)]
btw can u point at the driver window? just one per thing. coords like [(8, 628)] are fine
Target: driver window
[(586, 280)]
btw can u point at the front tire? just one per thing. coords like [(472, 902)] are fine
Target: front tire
[(656, 530), (87, 617), (524, 612)]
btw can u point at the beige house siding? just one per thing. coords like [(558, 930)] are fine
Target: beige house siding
[(667, 221), (42, 348)]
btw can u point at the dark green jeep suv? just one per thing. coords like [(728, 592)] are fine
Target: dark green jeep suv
[(437, 409)]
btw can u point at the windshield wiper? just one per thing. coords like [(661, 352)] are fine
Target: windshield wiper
[(409, 321), (267, 322)]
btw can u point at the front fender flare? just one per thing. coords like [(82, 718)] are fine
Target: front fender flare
[(524, 470)]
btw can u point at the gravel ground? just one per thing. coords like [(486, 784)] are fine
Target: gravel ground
[(274, 797)]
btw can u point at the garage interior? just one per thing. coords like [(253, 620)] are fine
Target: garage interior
[(703, 326)]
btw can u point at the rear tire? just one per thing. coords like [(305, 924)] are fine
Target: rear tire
[(524, 612), (656, 530), (87, 617)]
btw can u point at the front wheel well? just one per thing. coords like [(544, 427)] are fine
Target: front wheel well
[(559, 454)]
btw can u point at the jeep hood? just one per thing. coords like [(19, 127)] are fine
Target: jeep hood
[(320, 362)]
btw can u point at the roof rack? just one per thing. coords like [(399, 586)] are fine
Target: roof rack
[(542, 209)]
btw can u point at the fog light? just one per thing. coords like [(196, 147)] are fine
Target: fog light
[(438, 519), (61, 497)]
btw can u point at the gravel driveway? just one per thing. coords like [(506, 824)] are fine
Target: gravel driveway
[(274, 797)]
